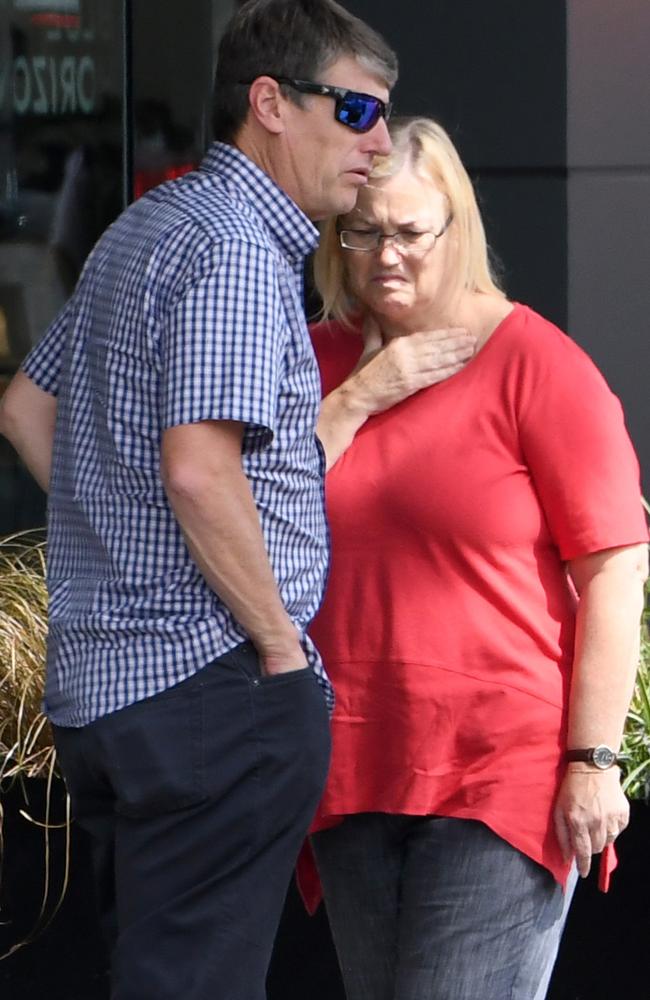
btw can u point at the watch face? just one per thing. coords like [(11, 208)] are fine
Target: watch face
[(603, 757)]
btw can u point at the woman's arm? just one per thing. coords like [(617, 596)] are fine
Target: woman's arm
[(591, 808), (386, 375)]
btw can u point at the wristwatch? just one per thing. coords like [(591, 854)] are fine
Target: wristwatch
[(601, 756)]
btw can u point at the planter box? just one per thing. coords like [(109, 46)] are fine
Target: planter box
[(605, 945), (602, 956), (304, 965), (68, 961)]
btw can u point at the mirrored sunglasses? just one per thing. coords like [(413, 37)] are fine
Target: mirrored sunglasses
[(357, 111)]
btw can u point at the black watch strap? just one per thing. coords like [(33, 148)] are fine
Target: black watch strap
[(601, 756)]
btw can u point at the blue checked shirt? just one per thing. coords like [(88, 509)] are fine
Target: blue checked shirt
[(189, 308)]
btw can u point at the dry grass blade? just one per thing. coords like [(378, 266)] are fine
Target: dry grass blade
[(26, 748), (25, 737), (47, 911)]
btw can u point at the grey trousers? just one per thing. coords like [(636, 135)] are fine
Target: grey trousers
[(432, 908)]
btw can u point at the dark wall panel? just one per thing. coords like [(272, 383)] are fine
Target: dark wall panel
[(525, 218), (494, 74)]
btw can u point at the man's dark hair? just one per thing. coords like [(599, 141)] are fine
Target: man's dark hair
[(292, 38)]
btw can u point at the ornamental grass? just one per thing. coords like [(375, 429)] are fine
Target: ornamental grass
[(25, 737), (26, 747)]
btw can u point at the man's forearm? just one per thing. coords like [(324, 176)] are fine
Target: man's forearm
[(27, 419), (213, 504)]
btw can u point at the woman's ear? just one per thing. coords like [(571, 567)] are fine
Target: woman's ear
[(267, 103)]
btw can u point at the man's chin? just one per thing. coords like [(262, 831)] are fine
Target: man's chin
[(342, 201), (346, 201)]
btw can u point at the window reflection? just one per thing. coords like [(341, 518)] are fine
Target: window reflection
[(173, 59), (65, 172), (61, 153), (61, 169)]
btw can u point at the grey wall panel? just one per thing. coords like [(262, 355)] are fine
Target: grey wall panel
[(609, 287), (608, 82), (608, 143)]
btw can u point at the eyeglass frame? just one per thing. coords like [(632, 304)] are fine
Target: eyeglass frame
[(339, 94), (401, 248)]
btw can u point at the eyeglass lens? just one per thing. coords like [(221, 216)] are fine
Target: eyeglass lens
[(358, 113), (370, 240)]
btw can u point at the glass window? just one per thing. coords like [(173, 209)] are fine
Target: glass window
[(172, 69), (73, 153), (61, 178)]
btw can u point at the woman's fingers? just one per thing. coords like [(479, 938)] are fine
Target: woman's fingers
[(591, 811)]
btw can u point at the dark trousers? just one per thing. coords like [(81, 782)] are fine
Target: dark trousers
[(197, 801)]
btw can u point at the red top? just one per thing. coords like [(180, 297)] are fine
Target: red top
[(447, 627)]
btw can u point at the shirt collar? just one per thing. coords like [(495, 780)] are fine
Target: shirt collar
[(295, 234)]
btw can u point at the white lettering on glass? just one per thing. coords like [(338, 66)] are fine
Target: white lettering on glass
[(47, 85)]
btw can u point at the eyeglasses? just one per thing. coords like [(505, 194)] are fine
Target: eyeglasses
[(404, 240), (360, 112)]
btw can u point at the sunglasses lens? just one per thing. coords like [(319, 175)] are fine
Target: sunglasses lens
[(359, 113)]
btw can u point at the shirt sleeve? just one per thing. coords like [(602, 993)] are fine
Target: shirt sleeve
[(222, 345), (578, 451), (44, 362)]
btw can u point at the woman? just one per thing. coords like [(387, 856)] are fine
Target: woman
[(481, 617)]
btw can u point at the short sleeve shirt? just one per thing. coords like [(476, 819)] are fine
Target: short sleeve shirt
[(189, 308), (448, 624)]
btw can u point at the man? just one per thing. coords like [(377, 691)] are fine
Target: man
[(187, 546), (187, 539)]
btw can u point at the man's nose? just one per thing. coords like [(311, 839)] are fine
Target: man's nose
[(379, 141)]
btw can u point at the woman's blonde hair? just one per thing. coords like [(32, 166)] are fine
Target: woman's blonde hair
[(425, 147)]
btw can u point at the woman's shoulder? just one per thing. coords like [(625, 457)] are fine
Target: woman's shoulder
[(525, 323), (543, 362), (541, 341)]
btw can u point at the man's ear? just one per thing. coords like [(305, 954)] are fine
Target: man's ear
[(267, 103)]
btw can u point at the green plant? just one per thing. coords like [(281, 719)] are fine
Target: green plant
[(635, 749)]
